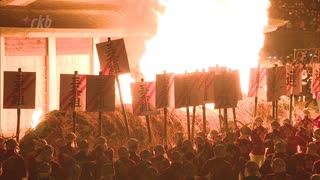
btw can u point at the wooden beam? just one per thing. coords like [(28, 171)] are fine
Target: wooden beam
[(16, 2), (52, 75), (70, 33), (2, 64)]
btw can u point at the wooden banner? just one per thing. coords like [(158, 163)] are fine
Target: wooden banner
[(181, 91), (253, 88), (113, 57), (276, 83), (197, 88), (67, 96), (208, 79), (294, 82), (11, 90), (164, 90), (225, 90), (143, 98), (100, 93), (315, 86)]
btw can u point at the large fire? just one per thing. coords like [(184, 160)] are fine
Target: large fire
[(197, 34)]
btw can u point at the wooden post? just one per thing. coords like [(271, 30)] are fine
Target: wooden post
[(116, 71), (193, 122), (187, 107), (165, 111), (204, 113), (234, 117), (75, 82), (291, 83), (147, 111), (19, 101), (100, 113), (2, 65), (225, 118), (188, 122)]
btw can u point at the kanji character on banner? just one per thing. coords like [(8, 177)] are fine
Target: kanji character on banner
[(72, 92), (27, 82), (294, 81), (113, 57), (254, 81), (100, 94), (164, 90), (143, 98)]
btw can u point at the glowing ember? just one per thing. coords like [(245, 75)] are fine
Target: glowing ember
[(36, 117), (195, 34)]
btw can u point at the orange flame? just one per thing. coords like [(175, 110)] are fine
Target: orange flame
[(194, 34)]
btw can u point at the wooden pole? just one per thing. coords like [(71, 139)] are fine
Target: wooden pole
[(225, 118), (147, 111), (19, 102), (204, 113), (257, 91), (165, 112), (234, 117), (188, 122), (74, 100), (193, 122), (100, 113), (116, 71), (291, 84)]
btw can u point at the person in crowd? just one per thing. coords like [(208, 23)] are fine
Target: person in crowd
[(14, 167), (108, 172), (160, 161), (303, 136), (124, 166), (85, 161), (203, 150), (217, 167), (257, 137), (244, 143), (102, 144), (133, 148), (273, 137), (66, 156), (143, 164), (289, 133), (175, 170), (2, 148), (178, 143), (251, 172), (279, 170), (279, 152)]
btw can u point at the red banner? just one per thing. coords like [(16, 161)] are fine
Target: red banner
[(315, 86), (11, 90), (255, 80), (209, 87), (68, 95), (100, 94), (164, 90), (276, 83), (113, 57), (143, 98), (294, 79), (181, 91), (226, 90)]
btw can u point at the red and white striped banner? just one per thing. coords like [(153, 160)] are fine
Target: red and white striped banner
[(296, 87), (164, 90), (254, 82), (67, 94), (276, 83), (120, 62), (100, 94), (11, 93), (225, 90), (315, 86), (143, 98)]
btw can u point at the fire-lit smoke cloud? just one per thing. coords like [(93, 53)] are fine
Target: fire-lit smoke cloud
[(197, 34)]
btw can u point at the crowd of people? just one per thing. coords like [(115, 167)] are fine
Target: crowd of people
[(269, 149), (302, 14)]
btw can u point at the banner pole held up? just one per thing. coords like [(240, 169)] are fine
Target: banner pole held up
[(116, 71)]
